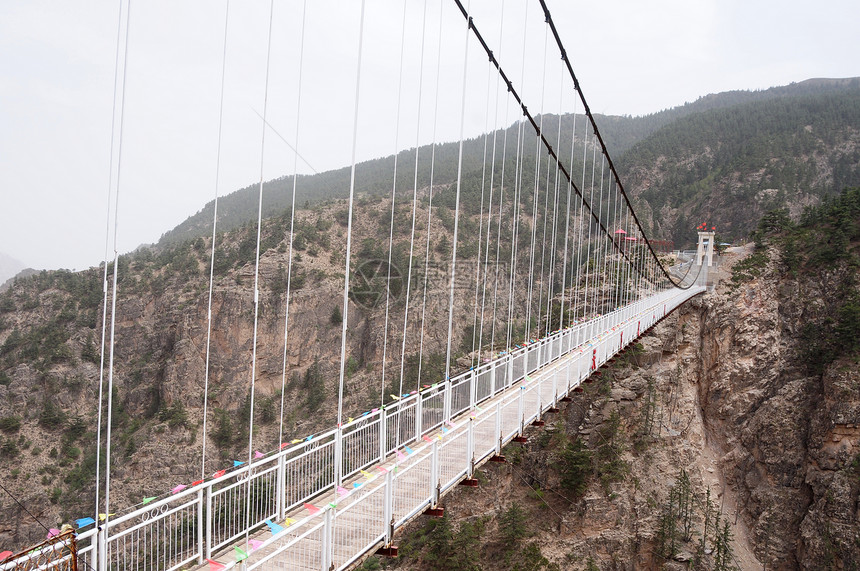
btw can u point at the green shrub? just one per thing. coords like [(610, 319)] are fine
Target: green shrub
[(9, 424), (174, 415), (574, 466), (9, 449), (51, 417), (222, 436), (512, 524)]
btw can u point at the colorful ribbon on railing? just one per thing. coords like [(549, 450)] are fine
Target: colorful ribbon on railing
[(273, 527)]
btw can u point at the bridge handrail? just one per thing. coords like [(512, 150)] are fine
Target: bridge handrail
[(197, 503)]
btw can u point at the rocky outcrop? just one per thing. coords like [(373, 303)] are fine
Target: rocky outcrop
[(790, 442), (735, 405)]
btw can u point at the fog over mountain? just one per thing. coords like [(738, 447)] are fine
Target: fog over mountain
[(9, 266)]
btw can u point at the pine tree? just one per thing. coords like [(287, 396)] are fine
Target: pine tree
[(709, 508), (685, 505)]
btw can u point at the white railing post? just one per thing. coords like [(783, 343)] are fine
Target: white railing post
[(210, 521), (498, 429), (567, 376), (521, 411), (388, 508), (435, 474), (473, 388), (281, 486), (383, 432), (579, 367), (200, 525), (326, 541), (539, 400), (338, 456), (102, 549), (419, 416), (446, 399), (470, 447), (510, 366), (492, 379)]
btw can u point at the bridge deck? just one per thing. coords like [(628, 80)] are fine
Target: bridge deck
[(363, 513)]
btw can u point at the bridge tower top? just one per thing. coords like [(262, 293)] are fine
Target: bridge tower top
[(705, 250)]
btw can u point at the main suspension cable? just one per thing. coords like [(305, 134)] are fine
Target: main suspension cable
[(540, 134), (597, 134)]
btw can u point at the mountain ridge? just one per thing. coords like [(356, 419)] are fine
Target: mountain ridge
[(621, 134)]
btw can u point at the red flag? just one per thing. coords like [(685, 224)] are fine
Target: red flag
[(312, 508), (214, 565)]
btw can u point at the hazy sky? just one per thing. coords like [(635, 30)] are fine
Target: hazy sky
[(57, 66)]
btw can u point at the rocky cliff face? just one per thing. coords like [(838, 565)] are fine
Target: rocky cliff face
[(50, 332), (788, 434), (721, 390)]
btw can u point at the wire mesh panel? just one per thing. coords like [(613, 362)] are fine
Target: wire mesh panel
[(501, 366), (566, 341), (547, 394), (461, 395), (510, 418), (358, 527), (412, 489), (310, 471), (162, 538), (360, 443), (400, 424), (243, 504), (532, 358), (87, 543), (433, 407), (453, 458), (530, 402), (556, 348), (58, 553), (485, 436), (518, 367), (484, 388), (298, 548)]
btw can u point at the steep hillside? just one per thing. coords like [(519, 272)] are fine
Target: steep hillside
[(715, 383), (50, 332), (728, 439), (661, 148), (729, 166)]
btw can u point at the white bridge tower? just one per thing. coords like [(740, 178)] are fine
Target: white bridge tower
[(705, 250)]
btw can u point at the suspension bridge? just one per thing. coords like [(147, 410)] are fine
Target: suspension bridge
[(561, 255)]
